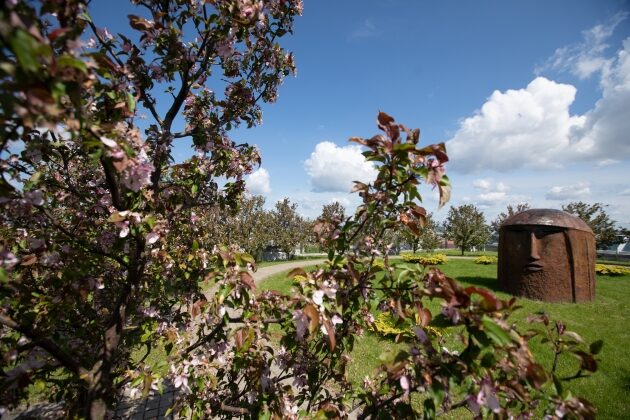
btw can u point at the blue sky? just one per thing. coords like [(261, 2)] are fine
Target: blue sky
[(531, 97)]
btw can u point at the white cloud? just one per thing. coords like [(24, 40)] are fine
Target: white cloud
[(481, 184), (587, 57), (518, 128), (494, 194), (606, 127), (488, 185), (258, 182), (533, 128), (607, 162), (492, 197), (625, 192), (333, 168), (569, 192)]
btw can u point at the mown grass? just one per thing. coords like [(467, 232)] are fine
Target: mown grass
[(261, 264), (604, 318)]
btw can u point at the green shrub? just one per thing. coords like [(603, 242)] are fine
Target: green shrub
[(378, 262), (433, 259), (486, 260), (384, 325), (611, 270)]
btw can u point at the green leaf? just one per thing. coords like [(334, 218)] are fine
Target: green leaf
[(495, 332), (429, 409), (131, 102), (67, 60), (27, 50), (150, 221), (248, 258)]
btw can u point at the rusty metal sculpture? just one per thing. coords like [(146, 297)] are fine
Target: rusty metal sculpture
[(547, 255)]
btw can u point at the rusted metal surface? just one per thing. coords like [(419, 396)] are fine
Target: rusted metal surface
[(547, 255), (548, 217)]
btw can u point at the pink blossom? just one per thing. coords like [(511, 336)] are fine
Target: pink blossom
[(318, 297), (250, 10), (124, 231), (104, 33), (137, 176), (181, 381), (225, 48), (8, 259), (404, 383), (109, 143), (152, 238), (151, 312)]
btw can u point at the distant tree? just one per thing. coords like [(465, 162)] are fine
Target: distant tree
[(466, 226), (249, 227), (333, 211), (287, 227), (495, 225), (428, 239), (598, 220)]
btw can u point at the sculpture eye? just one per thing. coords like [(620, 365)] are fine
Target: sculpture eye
[(542, 232)]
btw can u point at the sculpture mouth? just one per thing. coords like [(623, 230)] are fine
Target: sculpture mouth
[(532, 267)]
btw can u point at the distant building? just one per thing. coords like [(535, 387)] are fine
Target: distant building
[(617, 251)]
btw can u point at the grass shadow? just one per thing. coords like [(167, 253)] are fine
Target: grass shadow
[(488, 282)]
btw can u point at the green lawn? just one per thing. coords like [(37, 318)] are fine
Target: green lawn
[(260, 264), (607, 318)]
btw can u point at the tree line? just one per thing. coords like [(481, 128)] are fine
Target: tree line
[(254, 228)]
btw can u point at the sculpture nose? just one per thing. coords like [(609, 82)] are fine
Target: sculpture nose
[(533, 247)]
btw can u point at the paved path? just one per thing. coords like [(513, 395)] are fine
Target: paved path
[(268, 271)]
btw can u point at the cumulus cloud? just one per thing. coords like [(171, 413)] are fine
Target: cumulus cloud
[(493, 194), (606, 127), (526, 127), (258, 182), (533, 128), (569, 192), (587, 57), (333, 168), (488, 185)]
